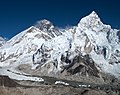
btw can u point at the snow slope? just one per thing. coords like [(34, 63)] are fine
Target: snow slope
[(20, 46)]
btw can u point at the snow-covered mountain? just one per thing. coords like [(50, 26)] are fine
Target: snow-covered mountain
[(23, 45), (88, 48)]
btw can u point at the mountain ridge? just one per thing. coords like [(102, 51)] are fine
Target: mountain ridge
[(55, 51)]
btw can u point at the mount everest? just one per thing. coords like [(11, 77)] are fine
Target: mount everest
[(89, 48)]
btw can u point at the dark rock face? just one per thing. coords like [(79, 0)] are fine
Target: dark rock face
[(2, 41), (43, 24), (78, 64), (6, 81), (118, 34), (83, 65), (41, 53), (47, 26)]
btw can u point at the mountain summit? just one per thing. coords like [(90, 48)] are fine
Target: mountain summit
[(44, 24), (87, 49), (92, 21)]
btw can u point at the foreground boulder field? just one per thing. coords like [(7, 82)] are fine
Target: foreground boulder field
[(88, 52)]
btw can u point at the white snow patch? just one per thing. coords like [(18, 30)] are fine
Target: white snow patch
[(83, 85), (16, 76), (61, 82)]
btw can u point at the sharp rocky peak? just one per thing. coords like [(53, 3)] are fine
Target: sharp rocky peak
[(91, 17), (44, 24), (94, 14), (92, 22)]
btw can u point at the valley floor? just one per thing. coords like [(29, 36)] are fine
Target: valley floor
[(13, 87), (49, 90)]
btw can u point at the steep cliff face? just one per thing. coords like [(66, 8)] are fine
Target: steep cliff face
[(88, 48), (2, 41)]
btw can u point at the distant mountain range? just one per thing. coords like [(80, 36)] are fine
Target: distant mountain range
[(87, 49)]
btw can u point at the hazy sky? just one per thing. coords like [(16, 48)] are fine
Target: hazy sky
[(17, 15)]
